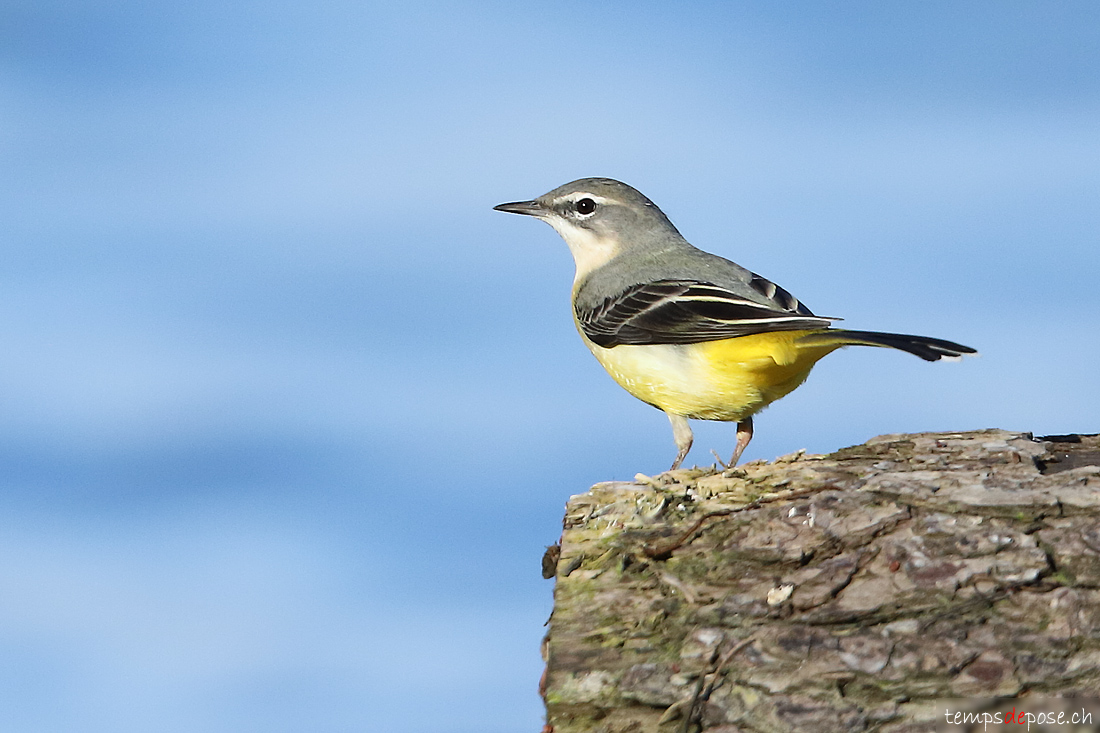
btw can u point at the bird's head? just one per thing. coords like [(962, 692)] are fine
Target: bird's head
[(599, 218)]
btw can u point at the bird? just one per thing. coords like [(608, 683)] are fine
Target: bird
[(686, 331)]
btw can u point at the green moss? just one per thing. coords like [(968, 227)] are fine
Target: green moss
[(1064, 577)]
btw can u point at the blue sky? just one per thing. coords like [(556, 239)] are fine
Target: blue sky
[(288, 413)]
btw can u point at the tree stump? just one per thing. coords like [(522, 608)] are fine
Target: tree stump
[(846, 592)]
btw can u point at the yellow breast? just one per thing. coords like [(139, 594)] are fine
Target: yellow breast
[(716, 380)]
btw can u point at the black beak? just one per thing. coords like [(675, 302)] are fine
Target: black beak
[(529, 208)]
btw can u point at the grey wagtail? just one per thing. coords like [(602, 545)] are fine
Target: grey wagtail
[(686, 331)]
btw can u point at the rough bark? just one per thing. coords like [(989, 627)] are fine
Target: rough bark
[(843, 592)]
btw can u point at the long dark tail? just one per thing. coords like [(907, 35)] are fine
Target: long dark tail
[(927, 348)]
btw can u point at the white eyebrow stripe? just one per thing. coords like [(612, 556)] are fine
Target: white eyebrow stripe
[(578, 195)]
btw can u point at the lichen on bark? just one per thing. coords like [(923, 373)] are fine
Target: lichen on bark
[(841, 592)]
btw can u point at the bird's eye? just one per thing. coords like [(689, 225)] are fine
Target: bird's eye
[(585, 206)]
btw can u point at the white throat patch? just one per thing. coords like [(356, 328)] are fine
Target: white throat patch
[(590, 251)]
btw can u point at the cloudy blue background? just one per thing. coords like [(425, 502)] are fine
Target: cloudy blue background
[(287, 413)]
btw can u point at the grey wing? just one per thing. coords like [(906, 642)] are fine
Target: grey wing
[(690, 311)]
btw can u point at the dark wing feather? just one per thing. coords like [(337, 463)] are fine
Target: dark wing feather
[(688, 311)]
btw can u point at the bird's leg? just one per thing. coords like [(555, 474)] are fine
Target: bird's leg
[(681, 433), (744, 435)]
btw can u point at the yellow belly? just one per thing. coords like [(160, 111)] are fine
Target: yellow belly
[(715, 380)]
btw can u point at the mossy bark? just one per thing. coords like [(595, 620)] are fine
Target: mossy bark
[(843, 592)]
